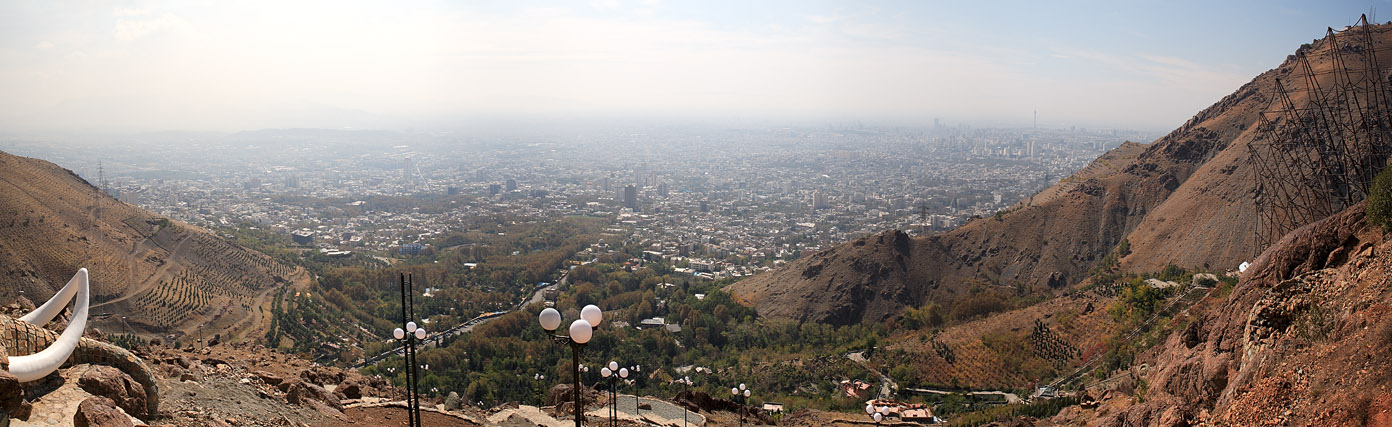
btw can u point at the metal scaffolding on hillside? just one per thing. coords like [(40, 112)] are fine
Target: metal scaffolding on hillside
[(1324, 134)]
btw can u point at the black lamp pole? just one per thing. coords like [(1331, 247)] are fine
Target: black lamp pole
[(406, 351), (408, 311), (581, 330), (415, 374), (575, 349)]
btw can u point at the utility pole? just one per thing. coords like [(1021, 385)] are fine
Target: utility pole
[(923, 218)]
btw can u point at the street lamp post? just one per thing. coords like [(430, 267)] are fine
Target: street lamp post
[(876, 413), (608, 376), (737, 392), (581, 330), (686, 387), (409, 334), (637, 409), (540, 379)]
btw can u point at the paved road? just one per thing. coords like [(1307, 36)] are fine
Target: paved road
[(662, 412), (887, 384)]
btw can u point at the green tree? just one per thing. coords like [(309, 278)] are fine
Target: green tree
[(1379, 208)]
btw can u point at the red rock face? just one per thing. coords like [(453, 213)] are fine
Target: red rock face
[(99, 411), (1302, 340), (111, 383)]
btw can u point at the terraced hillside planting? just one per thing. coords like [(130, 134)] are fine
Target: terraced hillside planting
[(150, 274), (1013, 350)]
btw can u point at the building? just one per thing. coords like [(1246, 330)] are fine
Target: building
[(630, 198), (918, 413), (494, 189), (412, 249), (701, 266), (302, 237), (819, 201), (511, 185), (705, 206)]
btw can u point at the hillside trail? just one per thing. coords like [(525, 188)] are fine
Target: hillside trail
[(143, 248)]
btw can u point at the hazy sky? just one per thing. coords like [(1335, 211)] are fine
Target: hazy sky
[(235, 65)]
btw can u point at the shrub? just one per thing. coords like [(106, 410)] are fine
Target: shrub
[(1379, 208)]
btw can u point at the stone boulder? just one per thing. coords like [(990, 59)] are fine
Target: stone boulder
[(351, 388), (111, 383), (561, 393), (313, 396), (269, 378), (322, 376), (453, 402), (100, 411), (12, 397)]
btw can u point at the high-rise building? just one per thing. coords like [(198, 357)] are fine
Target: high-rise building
[(631, 197), (662, 189), (511, 185), (494, 189), (705, 206), (819, 201)]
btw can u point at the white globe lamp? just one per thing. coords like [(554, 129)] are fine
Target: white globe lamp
[(581, 331), (550, 319)]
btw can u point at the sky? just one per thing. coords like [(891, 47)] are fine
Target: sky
[(223, 66)]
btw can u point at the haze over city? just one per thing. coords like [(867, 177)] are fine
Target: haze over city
[(229, 66)]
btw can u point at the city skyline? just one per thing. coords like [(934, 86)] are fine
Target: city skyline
[(153, 66)]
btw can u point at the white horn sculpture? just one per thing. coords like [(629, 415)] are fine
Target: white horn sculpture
[(38, 365)]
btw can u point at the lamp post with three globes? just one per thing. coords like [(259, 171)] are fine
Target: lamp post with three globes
[(737, 392), (581, 330), (410, 333), (876, 413)]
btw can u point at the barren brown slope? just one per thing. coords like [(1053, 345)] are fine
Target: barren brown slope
[(1302, 340), (1185, 199), (161, 276)]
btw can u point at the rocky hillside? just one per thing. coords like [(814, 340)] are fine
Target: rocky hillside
[(1185, 199), (149, 274), (1302, 340)]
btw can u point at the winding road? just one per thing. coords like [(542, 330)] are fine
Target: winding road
[(467, 327)]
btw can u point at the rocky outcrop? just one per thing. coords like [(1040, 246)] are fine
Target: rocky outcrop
[(12, 397), (113, 384), (99, 411), (313, 396), (1301, 340), (322, 375)]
